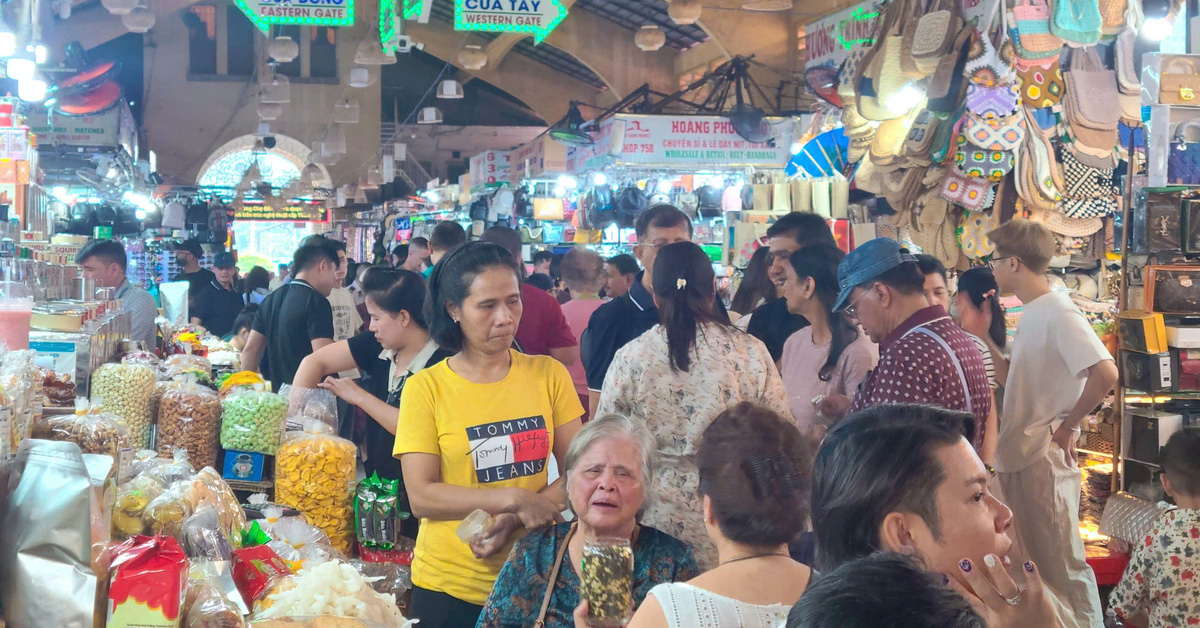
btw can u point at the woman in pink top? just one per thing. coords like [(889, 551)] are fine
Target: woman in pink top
[(583, 270), (829, 356)]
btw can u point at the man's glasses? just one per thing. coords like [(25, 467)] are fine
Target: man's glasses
[(995, 260), (852, 309)]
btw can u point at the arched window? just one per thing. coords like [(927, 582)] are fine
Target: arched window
[(228, 169)]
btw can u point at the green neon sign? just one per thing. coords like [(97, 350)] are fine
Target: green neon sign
[(858, 15), (387, 24), (531, 17), (414, 8), (267, 13)]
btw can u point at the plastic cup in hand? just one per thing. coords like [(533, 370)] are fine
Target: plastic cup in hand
[(473, 526), (16, 309)]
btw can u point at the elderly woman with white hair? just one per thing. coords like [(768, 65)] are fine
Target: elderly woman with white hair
[(609, 465)]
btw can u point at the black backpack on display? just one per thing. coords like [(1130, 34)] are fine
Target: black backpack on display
[(600, 212), (479, 209), (631, 201), (522, 205), (708, 201), (197, 216)]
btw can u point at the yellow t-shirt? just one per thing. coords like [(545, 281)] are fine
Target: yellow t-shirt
[(488, 436)]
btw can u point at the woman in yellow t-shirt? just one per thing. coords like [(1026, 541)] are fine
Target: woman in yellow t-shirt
[(476, 432)]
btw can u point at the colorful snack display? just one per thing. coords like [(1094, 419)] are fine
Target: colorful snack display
[(189, 417), (125, 390), (207, 605), (149, 577), (253, 421), (208, 489), (132, 499), (166, 513), (607, 581), (314, 473), (255, 569), (377, 516), (94, 431)]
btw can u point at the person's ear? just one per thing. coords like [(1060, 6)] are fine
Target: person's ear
[(1166, 484), (884, 294), (404, 318), (709, 516), (895, 534), (454, 311)]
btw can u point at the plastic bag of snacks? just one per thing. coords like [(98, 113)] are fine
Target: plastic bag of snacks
[(166, 513), (314, 473), (255, 570), (377, 514), (209, 489), (334, 589), (181, 362), (149, 578), (202, 536), (253, 421), (311, 403), (189, 416), (170, 471), (143, 358), (132, 499), (239, 381), (95, 432), (125, 390), (58, 391), (206, 605)]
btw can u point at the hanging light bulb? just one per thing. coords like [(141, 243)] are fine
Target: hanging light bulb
[(139, 20), (21, 68), (41, 53), (119, 7), (472, 57), (269, 111), (32, 90), (345, 111), (374, 177), (363, 76), (599, 179), (283, 49)]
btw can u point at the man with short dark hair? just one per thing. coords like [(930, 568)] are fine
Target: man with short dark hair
[(621, 320), (542, 261), (398, 256), (418, 252), (105, 262), (188, 255), (296, 319), (543, 329), (621, 271), (218, 304), (923, 356), (446, 235), (772, 323)]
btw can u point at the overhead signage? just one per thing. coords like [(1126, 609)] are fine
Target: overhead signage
[(14, 144), (599, 154), (417, 10), (97, 131), (697, 141), (828, 41), (542, 156), (489, 169), (267, 13), (531, 17), (287, 213)]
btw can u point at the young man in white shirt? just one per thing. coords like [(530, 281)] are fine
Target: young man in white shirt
[(1059, 372)]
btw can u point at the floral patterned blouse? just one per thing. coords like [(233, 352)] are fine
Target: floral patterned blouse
[(727, 367), (1163, 576), (517, 595)]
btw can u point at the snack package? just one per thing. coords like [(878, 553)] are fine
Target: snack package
[(202, 536), (177, 469), (314, 473), (206, 604), (209, 489), (149, 576), (183, 362), (387, 578), (607, 581), (255, 569), (189, 416), (311, 403), (377, 515), (142, 358), (253, 421), (125, 390), (132, 499), (331, 589), (58, 391), (242, 380), (160, 389), (166, 513), (95, 432)]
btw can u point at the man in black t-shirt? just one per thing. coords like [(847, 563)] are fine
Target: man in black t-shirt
[(296, 319), (219, 303), (771, 322), (188, 255)]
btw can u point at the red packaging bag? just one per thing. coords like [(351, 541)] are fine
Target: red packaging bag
[(255, 569), (149, 577)]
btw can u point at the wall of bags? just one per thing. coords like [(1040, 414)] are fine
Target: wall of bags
[(1022, 108)]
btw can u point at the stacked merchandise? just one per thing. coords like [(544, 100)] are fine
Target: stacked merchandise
[(1097, 485)]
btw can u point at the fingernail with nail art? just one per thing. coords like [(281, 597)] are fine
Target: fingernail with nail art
[(965, 565), (990, 560), (1029, 566)]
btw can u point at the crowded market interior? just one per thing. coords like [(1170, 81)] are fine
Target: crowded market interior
[(570, 313)]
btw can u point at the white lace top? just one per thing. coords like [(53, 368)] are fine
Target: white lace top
[(687, 606)]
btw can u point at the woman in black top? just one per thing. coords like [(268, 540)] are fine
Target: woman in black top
[(396, 346)]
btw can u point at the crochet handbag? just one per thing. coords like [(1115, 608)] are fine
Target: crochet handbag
[(1041, 85), (985, 65), (994, 102), (1097, 207), (1077, 22), (920, 140), (1033, 39), (1093, 91), (1183, 163), (973, 233), (946, 86), (1112, 16), (969, 192), (1001, 134), (1082, 181), (982, 163), (1128, 74), (935, 32)]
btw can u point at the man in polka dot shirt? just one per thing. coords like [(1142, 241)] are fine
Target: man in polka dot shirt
[(923, 356)]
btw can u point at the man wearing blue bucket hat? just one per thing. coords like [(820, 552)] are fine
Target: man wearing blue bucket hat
[(923, 356)]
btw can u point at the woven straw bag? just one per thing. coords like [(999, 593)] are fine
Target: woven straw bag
[(1091, 91), (1112, 16), (935, 31), (1033, 37), (1060, 223)]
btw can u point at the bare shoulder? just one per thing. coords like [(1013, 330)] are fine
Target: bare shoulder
[(649, 615)]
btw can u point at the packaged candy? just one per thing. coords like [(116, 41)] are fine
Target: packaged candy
[(132, 499), (207, 605), (208, 489), (149, 577), (243, 380), (377, 515), (314, 473), (253, 421), (311, 403), (180, 363), (255, 569), (166, 513), (607, 581), (125, 390), (189, 417), (177, 469), (204, 538)]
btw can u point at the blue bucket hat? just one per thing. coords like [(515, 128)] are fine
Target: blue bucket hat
[(868, 261)]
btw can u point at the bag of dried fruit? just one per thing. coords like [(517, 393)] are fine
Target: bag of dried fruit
[(315, 474)]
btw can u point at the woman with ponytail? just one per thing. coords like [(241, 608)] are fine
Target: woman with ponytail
[(976, 307), (830, 356), (679, 376)]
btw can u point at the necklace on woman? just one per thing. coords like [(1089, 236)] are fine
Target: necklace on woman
[(734, 560)]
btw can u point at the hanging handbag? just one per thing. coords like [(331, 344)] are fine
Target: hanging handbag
[(1180, 82), (629, 202), (968, 192), (888, 144), (891, 77), (1112, 16), (1003, 134), (922, 134), (1083, 181), (980, 163), (994, 102), (1092, 90), (985, 65), (1033, 38), (908, 65), (1128, 75), (870, 102), (946, 86), (1077, 22), (1041, 85), (531, 235), (1096, 207), (547, 209), (935, 32), (973, 233), (1183, 162)]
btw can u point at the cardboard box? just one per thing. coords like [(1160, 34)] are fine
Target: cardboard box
[(1144, 332), (1149, 431), (1147, 372)]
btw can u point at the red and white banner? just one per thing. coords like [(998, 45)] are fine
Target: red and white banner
[(489, 169)]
